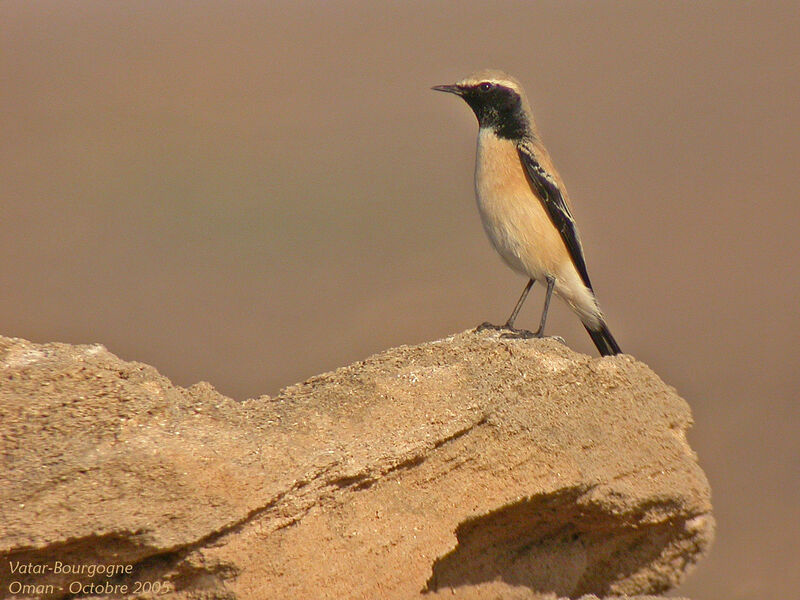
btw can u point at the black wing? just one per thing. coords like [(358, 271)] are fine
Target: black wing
[(547, 189)]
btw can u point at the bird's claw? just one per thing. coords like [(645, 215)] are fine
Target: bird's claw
[(520, 334), (508, 331)]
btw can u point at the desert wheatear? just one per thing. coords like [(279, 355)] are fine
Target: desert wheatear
[(523, 202)]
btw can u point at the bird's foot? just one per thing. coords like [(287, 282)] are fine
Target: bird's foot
[(524, 334), (519, 334), (507, 327), (508, 330), (527, 335), (486, 325)]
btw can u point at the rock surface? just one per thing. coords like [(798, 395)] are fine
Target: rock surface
[(470, 467)]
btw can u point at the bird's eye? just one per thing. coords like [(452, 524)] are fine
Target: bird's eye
[(485, 86)]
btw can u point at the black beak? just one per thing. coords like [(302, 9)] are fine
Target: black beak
[(452, 89)]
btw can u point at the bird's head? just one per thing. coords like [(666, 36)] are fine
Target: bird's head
[(498, 101)]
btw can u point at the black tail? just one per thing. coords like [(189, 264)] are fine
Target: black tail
[(604, 341)]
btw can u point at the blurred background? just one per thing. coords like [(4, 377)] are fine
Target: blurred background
[(251, 193)]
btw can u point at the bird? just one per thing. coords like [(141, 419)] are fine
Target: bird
[(523, 204)]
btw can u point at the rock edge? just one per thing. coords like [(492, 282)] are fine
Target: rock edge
[(471, 466)]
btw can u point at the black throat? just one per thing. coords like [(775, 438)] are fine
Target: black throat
[(500, 109)]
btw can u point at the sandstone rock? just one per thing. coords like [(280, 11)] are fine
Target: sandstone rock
[(469, 467)]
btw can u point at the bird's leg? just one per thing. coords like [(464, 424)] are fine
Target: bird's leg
[(510, 323), (551, 281)]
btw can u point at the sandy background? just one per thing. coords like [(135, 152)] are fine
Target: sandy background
[(251, 193)]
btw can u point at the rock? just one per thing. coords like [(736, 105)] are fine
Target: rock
[(469, 467)]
